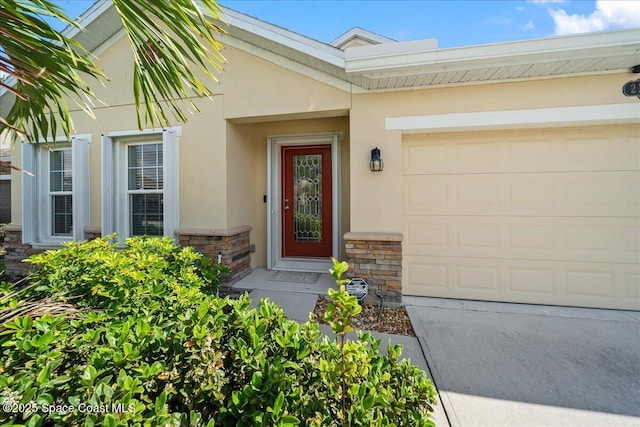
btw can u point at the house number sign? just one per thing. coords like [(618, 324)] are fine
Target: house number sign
[(358, 288), (632, 88)]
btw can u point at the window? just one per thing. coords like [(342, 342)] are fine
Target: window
[(55, 201), (145, 190), (140, 183), (60, 198)]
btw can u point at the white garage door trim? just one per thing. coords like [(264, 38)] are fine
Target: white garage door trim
[(510, 119)]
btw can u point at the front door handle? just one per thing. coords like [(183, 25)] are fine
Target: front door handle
[(286, 208)]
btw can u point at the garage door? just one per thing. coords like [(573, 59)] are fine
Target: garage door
[(539, 216)]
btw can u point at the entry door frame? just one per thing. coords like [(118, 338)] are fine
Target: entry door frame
[(275, 260)]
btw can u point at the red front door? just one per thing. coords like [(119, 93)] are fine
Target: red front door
[(306, 201)]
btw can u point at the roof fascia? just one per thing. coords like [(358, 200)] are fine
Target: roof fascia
[(313, 48), (404, 58)]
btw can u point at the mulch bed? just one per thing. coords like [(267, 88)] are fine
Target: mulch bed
[(394, 320)]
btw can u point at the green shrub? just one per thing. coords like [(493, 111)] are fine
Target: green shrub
[(160, 349), (146, 271)]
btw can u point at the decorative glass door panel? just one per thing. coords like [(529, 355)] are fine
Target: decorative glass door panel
[(306, 201)]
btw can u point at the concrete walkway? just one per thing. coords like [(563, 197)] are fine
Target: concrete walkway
[(497, 364), (521, 365)]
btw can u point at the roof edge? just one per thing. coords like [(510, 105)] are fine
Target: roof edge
[(389, 60), (306, 45), (360, 33)]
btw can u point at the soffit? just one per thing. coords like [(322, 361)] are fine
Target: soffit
[(596, 65), (101, 22), (379, 67)]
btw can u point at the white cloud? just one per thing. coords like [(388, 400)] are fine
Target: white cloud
[(607, 15), (530, 26)]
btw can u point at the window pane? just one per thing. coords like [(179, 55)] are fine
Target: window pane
[(307, 187), (145, 167), (55, 168), (150, 155), (147, 215), (56, 160), (62, 215), (135, 159), (134, 167), (60, 176), (55, 181), (135, 178), (67, 175)]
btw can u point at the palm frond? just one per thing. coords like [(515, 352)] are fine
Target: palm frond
[(47, 306), (47, 66), (170, 39), (14, 304), (14, 167)]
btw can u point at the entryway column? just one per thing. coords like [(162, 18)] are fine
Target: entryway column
[(232, 244), (377, 258)]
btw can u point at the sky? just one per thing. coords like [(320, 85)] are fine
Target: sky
[(454, 22)]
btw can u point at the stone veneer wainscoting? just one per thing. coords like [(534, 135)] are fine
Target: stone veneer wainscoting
[(233, 243), (16, 252), (377, 258)]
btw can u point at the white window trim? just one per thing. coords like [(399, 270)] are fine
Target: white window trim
[(125, 212), (115, 205), (44, 210), (36, 209)]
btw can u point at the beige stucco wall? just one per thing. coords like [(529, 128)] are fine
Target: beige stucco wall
[(202, 163), (223, 164), (376, 197), (255, 87), (247, 172)]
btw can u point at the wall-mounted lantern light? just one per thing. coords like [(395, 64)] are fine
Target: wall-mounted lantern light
[(376, 164)]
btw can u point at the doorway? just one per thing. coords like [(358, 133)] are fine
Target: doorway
[(303, 226), (306, 202)]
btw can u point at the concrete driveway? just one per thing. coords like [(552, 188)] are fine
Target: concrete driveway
[(520, 365)]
